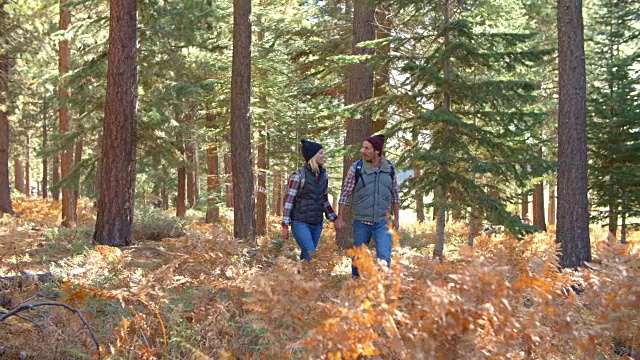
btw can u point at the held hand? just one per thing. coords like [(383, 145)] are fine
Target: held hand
[(339, 224), (396, 223), (285, 233)]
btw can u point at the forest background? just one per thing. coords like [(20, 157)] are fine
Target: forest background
[(470, 97)]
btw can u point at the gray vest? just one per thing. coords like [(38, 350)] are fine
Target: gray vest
[(372, 194)]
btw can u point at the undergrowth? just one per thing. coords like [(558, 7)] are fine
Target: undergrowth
[(206, 295)]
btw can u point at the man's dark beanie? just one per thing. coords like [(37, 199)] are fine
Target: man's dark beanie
[(309, 149), (377, 141)]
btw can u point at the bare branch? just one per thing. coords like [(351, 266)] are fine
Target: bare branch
[(6, 315)]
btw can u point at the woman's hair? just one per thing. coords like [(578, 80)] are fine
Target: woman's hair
[(314, 164)]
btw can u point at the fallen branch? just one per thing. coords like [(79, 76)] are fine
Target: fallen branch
[(5, 315)]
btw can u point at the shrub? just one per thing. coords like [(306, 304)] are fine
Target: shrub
[(152, 224)]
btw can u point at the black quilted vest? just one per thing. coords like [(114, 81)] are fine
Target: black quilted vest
[(309, 205)]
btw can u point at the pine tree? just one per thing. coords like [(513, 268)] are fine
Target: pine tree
[(573, 208), (243, 189), (614, 173), (483, 145), (117, 190)]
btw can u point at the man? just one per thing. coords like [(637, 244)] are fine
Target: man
[(374, 186)]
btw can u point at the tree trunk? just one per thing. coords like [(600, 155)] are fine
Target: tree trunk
[(261, 194), (197, 191), (27, 167), (472, 219), (440, 200), (191, 182), (244, 218), (77, 159), (213, 172), (524, 205), (573, 207), (613, 217), (419, 199), (274, 193), (18, 175), (56, 177), (278, 187), (538, 202), (69, 216), (117, 190), (5, 187), (45, 160), (181, 202), (165, 198), (228, 183), (441, 191), (623, 226), (538, 206), (360, 89), (98, 167), (473, 225), (552, 205)]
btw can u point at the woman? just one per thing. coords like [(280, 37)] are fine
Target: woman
[(306, 200)]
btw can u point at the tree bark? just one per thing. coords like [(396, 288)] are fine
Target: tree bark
[(244, 219), (190, 173), (441, 200), (538, 201), (45, 139), (117, 187), (573, 208), (18, 175), (419, 199), (228, 183), (98, 176), (165, 198), (524, 205), (552, 205), (27, 167), (197, 191), (5, 188), (538, 206), (261, 193), (181, 202), (441, 190), (360, 88), (77, 159), (278, 187), (613, 217), (69, 216), (213, 172), (623, 226), (56, 177)]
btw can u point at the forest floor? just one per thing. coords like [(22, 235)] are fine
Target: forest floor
[(193, 292)]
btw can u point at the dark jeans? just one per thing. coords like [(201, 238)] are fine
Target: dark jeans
[(362, 234), (307, 237)]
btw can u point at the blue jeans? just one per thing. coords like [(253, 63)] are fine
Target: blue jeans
[(362, 234), (307, 237)]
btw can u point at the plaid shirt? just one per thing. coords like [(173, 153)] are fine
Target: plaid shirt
[(291, 193), (350, 184)]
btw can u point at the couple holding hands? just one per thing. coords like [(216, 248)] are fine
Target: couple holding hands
[(372, 182)]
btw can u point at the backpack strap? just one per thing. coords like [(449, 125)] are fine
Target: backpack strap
[(301, 175), (359, 171)]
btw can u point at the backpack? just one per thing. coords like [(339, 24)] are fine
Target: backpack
[(359, 171)]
